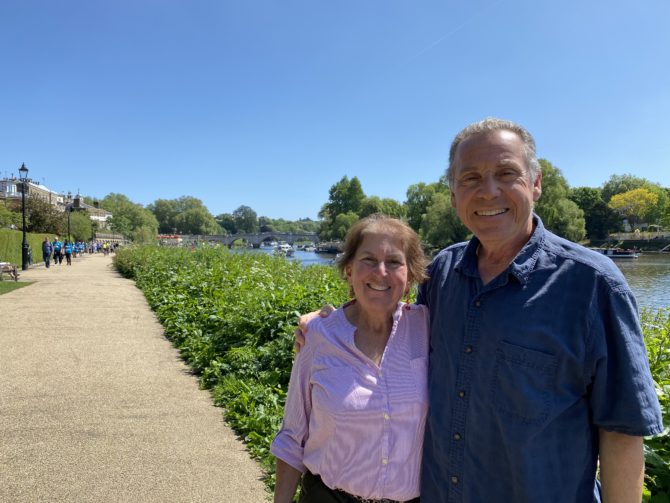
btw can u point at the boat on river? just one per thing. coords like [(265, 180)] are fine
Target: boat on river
[(618, 253), (284, 249)]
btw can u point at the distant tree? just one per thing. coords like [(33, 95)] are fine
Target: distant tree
[(600, 219), (245, 219), (558, 213), (227, 222), (128, 216), (9, 218), (618, 184), (342, 224), (196, 221), (185, 215), (81, 226), (386, 206), (440, 224), (636, 205), (419, 197), (165, 211), (144, 235), (345, 196), (43, 217)]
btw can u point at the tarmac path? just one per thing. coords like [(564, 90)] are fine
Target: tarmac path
[(96, 405)]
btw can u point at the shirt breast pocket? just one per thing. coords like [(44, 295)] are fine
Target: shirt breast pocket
[(522, 383)]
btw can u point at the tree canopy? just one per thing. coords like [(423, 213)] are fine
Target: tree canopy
[(558, 213), (128, 217)]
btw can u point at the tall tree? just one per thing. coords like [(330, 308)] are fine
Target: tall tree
[(419, 197), (227, 222), (128, 216), (81, 226), (245, 219), (636, 205), (600, 219), (343, 197), (559, 214), (440, 224), (386, 206)]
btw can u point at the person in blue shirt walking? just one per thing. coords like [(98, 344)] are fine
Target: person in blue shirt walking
[(67, 249), (57, 251), (538, 372)]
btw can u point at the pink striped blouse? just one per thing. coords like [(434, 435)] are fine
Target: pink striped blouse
[(357, 425)]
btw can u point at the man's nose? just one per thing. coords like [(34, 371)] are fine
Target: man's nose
[(489, 187)]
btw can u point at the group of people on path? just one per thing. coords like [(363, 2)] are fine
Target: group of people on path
[(57, 250), (520, 374)]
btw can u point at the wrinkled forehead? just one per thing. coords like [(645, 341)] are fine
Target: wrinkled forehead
[(499, 147)]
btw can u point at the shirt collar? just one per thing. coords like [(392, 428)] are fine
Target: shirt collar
[(521, 266)]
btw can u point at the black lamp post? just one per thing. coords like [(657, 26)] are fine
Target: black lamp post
[(23, 175), (68, 208)]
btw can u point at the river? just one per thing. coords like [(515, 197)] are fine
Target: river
[(648, 275), (649, 278)]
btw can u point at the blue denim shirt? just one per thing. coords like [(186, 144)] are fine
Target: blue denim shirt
[(526, 369)]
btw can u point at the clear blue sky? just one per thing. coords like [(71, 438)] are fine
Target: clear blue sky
[(268, 103)]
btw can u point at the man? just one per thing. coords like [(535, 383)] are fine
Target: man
[(46, 251), (538, 369)]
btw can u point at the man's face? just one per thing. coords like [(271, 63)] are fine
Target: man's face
[(492, 190)]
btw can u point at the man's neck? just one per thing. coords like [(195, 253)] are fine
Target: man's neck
[(494, 258)]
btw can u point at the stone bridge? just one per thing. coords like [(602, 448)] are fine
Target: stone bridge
[(255, 239)]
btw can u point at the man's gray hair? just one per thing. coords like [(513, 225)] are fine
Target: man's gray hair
[(493, 124)]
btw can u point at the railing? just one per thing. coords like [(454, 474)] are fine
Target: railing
[(642, 235)]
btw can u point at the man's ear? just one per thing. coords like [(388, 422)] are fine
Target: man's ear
[(453, 199), (537, 185)]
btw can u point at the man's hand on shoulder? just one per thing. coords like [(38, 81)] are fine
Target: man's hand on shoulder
[(304, 320)]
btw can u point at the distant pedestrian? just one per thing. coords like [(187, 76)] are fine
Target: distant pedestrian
[(47, 249), (67, 249), (58, 251)]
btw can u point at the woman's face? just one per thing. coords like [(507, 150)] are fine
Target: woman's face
[(378, 273)]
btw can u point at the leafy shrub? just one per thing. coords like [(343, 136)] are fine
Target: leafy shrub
[(656, 328)]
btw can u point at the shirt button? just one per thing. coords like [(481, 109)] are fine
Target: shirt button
[(454, 480), (478, 303), (457, 436), (385, 461), (461, 394), (387, 417), (468, 349)]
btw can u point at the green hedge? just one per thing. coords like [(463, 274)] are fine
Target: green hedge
[(10, 246)]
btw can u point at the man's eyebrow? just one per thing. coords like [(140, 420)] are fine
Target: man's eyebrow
[(508, 162)]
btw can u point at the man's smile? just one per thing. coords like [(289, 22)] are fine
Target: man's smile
[(491, 213)]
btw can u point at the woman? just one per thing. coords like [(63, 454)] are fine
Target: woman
[(357, 400)]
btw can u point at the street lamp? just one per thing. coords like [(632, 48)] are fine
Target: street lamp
[(23, 175), (68, 208)]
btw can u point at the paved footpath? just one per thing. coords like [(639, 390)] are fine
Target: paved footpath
[(95, 404)]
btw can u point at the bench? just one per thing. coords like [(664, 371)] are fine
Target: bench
[(7, 268)]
